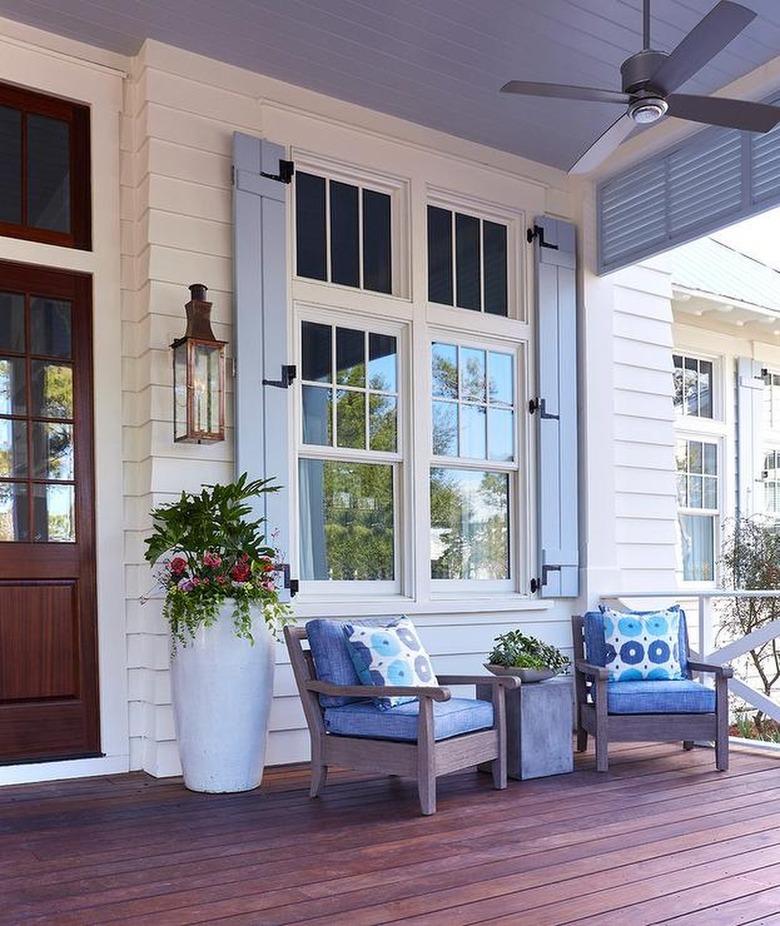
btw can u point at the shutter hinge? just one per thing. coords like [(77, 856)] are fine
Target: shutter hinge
[(285, 175), (289, 373), (291, 584), (538, 232), (540, 405), (538, 584), (764, 375)]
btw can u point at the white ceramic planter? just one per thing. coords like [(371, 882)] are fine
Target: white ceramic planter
[(222, 689)]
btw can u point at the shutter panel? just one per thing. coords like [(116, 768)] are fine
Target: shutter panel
[(765, 167), (262, 412), (750, 409), (556, 412)]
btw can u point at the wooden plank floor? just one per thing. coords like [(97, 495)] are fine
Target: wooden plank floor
[(663, 838)]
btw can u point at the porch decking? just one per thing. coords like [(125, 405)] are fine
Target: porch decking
[(662, 838)]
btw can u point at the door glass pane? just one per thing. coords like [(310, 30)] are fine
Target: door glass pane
[(350, 419), (444, 370), (52, 446), (705, 389), (691, 386), (467, 264), (377, 274), (472, 374), (12, 386), (344, 247), (13, 448), (10, 165), (382, 423), (317, 417), (439, 255), (698, 547), (14, 512), (350, 357), (52, 389), (54, 516), (445, 429), (382, 372), (494, 249), (346, 521), (316, 356), (501, 433), (502, 386), (473, 433), (12, 322), (310, 225), (469, 524), (50, 327), (48, 173)]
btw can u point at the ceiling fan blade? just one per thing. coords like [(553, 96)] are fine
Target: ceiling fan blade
[(604, 145), (564, 91), (723, 23), (733, 114)]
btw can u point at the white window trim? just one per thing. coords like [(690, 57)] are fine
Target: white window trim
[(715, 513)]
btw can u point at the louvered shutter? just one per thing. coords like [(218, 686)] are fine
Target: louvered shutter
[(716, 178), (556, 408), (750, 409), (262, 412)]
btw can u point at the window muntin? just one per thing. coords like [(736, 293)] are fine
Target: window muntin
[(771, 480), (698, 506), (44, 169), (693, 386), (349, 456), (467, 261), (343, 233)]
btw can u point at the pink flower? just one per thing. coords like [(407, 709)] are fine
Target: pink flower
[(212, 560), (178, 565), (268, 584)]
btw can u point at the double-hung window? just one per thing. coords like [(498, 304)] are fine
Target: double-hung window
[(349, 455), (473, 463), (771, 478), (698, 507)]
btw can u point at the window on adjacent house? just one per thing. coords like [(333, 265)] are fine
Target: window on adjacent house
[(44, 169), (349, 457), (343, 233), (693, 386), (698, 507), (474, 462), (772, 401), (771, 478), (467, 261)]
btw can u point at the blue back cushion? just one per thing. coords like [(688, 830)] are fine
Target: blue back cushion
[(595, 647), (332, 659)]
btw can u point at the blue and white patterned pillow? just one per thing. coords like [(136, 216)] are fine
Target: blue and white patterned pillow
[(390, 655), (642, 646)]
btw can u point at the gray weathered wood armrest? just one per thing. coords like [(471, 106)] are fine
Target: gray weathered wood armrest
[(435, 693), (721, 671), (502, 681), (593, 671)]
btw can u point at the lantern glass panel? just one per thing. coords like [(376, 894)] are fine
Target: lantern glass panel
[(180, 391), (205, 389)]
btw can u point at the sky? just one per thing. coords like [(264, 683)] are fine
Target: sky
[(758, 237)]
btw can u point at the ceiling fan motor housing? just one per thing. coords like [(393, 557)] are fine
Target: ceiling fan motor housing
[(637, 71)]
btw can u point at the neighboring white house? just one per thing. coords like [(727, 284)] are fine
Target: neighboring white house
[(595, 482), (727, 396)]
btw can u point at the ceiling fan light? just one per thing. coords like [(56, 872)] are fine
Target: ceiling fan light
[(647, 110)]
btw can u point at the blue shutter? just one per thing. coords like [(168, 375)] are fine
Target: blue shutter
[(262, 412), (556, 408)]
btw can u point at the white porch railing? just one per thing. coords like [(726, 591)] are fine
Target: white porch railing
[(706, 638)]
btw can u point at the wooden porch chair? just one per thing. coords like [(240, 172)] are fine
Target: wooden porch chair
[(650, 711), (423, 753)]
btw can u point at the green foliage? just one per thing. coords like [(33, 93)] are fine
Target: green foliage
[(208, 552), (518, 650)]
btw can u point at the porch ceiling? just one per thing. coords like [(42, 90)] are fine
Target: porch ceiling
[(434, 62)]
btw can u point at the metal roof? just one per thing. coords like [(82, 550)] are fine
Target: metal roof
[(709, 266)]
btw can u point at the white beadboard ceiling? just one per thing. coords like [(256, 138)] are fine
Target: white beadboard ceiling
[(434, 62)]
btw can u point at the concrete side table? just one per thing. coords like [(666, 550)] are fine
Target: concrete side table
[(540, 721)]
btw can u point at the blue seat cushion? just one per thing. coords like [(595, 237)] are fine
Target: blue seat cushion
[(332, 660), (595, 643), (450, 718), (653, 697)]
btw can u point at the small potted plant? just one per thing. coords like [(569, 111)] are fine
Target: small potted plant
[(530, 659), (223, 609)]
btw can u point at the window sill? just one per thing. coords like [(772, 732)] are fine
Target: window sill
[(309, 606)]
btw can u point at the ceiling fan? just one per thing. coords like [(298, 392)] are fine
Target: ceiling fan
[(649, 79)]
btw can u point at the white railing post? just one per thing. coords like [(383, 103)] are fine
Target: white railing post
[(706, 630)]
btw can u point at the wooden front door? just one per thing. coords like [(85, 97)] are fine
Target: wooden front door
[(48, 647)]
